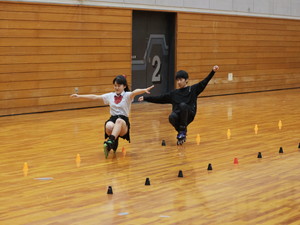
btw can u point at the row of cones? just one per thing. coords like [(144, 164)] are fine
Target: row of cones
[(198, 139), (78, 161), (147, 183), (259, 155), (279, 126), (255, 129), (209, 167)]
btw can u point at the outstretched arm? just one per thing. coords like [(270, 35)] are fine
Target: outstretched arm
[(141, 91), (92, 97), (202, 84), (206, 80), (161, 99)]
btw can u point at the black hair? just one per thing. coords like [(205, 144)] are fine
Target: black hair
[(182, 74), (121, 79)]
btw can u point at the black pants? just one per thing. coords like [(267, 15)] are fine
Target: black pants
[(182, 117)]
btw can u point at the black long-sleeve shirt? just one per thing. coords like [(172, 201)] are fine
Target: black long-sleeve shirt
[(187, 95)]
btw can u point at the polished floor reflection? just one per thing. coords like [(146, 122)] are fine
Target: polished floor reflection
[(53, 169)]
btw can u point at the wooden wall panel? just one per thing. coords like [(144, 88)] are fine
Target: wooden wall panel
[(48, 50), (262, 53)]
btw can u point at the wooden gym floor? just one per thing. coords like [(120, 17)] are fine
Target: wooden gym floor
[(58, 189)]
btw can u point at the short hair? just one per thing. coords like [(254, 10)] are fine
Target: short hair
[(182, 74)]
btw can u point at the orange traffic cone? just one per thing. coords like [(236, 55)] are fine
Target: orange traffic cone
[(228, 134), (124, 152), (256, 129), (279, 124), (198, 139), (25, 169), (78, 160)]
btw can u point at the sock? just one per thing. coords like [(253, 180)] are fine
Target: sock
[(112, 137)]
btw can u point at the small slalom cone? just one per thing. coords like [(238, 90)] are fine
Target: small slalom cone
[(109, 190), (78, 160), (255, 128), (124, 152), (259, 155), (209, 166), (279, 124), (147, 182), (163, 143), (198, 139), (280, 150), (25, 169), (235, 161), (180, 174), (228, 134)]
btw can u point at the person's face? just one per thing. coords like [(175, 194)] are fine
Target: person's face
[(181, 83), (119, 88)]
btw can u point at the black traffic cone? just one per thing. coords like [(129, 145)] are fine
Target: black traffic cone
[(209, 167), (147, 182), (180, 174), (109, 190), (280, 150), (259, 155), (163, 143)]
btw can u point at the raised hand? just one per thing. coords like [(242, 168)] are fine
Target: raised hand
[(216, 68)]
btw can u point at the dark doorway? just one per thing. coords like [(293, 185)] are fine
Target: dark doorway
[(153, 50)]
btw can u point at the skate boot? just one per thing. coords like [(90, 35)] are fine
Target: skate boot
[(181, 137), (107, 146)]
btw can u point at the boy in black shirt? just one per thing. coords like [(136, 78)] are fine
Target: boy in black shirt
[(183, 100)]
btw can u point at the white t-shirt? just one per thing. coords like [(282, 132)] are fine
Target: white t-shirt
[(122, 108)]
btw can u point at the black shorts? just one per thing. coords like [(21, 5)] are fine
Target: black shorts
[(113, 119)]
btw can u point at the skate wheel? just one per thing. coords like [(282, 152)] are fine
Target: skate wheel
[(180, 142)]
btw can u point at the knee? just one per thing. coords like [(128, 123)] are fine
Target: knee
[(120, 122), (172, 118), (109, 127), (183, 105)]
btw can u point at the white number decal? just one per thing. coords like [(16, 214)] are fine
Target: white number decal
[(156, 74)]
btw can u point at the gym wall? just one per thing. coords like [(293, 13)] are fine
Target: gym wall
[(260, 53), (48, 50)]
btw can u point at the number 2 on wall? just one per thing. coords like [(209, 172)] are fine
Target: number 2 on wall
[(156, 75)]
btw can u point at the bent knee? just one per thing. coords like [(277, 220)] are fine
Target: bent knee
[(120, 121), (173, 117), (182, 105), (109, 126)]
